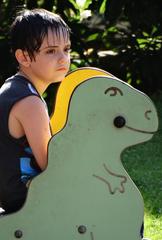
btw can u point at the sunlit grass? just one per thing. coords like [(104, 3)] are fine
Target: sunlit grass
[(153, 226)]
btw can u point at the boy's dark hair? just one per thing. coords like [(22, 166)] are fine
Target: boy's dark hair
[(31, 26)]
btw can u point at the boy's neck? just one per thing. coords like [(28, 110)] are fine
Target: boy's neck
[(38, 84)]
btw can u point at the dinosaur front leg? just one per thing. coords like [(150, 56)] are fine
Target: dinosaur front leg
[(114, 181)]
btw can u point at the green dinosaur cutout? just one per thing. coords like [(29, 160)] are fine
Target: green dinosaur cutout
[(85, 193)]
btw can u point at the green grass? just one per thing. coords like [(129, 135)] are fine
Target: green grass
[(144, 164)]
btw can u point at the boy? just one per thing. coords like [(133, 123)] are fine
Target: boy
[(41, 44)]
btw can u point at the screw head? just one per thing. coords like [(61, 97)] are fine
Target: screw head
[(18, 233), (119, 122), (82, 229)]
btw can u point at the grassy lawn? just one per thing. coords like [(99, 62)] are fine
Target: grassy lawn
[(144, 164)]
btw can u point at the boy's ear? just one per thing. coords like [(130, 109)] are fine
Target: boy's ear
[(22, 57)]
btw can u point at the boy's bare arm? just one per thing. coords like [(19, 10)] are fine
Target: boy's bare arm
[(32, 116)]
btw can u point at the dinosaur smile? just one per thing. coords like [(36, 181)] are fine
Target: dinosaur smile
[(139, 130), (120, 122)]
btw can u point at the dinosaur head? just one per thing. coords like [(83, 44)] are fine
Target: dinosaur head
[(133, 115), (108, 106)]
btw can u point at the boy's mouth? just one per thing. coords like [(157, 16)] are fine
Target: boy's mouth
[(62, 69)]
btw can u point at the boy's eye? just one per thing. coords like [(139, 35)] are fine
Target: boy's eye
[(50, 51), (68, 50)]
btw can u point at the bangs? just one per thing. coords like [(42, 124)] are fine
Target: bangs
[(61, 32)]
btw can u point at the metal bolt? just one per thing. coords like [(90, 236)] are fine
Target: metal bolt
[(82, 229), (18, 233)]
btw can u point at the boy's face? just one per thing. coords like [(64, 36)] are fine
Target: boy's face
[(52, 61)]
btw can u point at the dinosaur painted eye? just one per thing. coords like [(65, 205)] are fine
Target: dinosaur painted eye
[(113, 91), (119, 122)]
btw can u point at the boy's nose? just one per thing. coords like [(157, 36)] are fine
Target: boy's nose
[(61, 61), (62, 58)]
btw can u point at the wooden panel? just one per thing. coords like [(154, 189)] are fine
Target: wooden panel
[(85, 192)]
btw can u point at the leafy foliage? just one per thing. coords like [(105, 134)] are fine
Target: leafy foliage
[(123, 37)]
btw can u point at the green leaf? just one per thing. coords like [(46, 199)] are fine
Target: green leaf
[(145, 34), (112, 29), (75, 4), (103, 7), (87, 3), (154, 29), (92, 37)]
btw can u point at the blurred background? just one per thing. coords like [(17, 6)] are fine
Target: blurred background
[(123, 37)]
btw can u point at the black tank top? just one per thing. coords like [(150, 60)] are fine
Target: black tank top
[(17, 163)]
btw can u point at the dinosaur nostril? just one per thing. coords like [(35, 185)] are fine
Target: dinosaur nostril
[(119, 122), (147, 114), (82, 229)]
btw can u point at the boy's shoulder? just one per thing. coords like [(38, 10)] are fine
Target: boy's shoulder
[(15, 89), (17, 85)]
